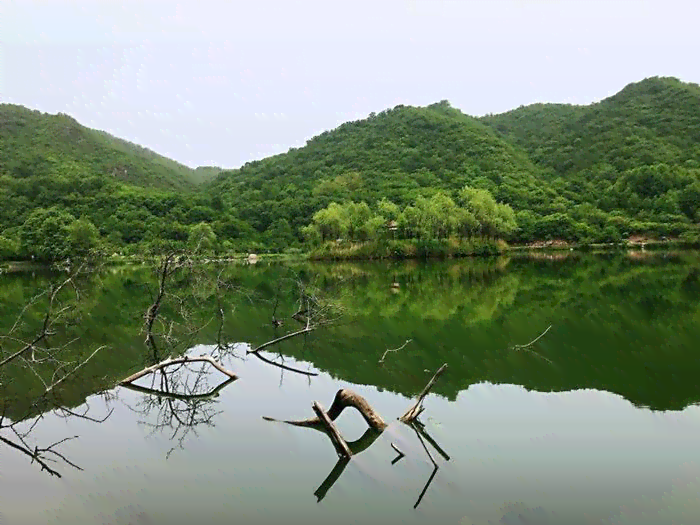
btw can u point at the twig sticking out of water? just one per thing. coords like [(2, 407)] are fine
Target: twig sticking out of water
[(528, 345), (395, 349), (417, 408), (520, 347), (400, 454)]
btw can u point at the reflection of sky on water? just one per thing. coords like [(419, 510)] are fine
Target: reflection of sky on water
[(517, 457)]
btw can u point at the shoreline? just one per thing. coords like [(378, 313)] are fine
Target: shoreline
[(10, 266)]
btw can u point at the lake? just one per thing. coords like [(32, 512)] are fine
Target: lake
[(571, 395)]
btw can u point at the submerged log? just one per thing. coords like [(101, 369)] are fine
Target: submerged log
[(344, 398)]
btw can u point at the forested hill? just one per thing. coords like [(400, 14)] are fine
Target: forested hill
[(65, 188), (36, 144), (653, 121), (628, 165), (599, 173), (398, 154), (636, 154)]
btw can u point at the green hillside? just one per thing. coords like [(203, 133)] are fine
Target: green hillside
[(628, 165), (635, 154), (399, 154), (37, 144), (54, 172)]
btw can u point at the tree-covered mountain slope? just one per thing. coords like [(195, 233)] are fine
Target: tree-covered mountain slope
[(399, 154), (36, 144), (65, 188), (636, 153), (627, 165)]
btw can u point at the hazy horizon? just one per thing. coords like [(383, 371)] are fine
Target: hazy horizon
[(210, 86)]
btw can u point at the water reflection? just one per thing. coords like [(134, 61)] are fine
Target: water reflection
[(571, 394)]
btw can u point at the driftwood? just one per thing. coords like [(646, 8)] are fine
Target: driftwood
[(347, 398), (179, 361), (344, 398), (341, 446), (417, 408)]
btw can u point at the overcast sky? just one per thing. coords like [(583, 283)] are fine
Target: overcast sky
[(221, 83)]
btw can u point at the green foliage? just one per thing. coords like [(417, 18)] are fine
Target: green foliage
[(35, 143), (46, 233), (429, 220), (397, 156), (83, 237), (633, 155), (9, 248), (201, 238)]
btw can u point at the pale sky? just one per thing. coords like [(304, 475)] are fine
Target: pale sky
[(221, 83)]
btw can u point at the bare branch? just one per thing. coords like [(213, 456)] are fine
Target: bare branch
[(283, 338), (171, 362), (415, 410), (527, 346), (520, 347), (395, 349), (283, 366)]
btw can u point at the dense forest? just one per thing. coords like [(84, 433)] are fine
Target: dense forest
[(628, 165)]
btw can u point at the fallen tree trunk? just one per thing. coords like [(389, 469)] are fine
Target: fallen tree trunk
[(341, 446), (415, 410), (345, 398), (179, 361)]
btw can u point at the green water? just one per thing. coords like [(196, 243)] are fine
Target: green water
[(595, 422)]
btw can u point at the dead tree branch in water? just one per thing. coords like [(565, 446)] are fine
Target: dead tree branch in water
[(18, 438), (520, 347), (39, 354), (183, 401), (417, 408), (40, 454), (344, 398), (205, 396), (283, 366), (306, 330), (394, 350), (341, 446), (179, 361), (527, 346)]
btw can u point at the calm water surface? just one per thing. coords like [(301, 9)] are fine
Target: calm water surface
[(596, 422)]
